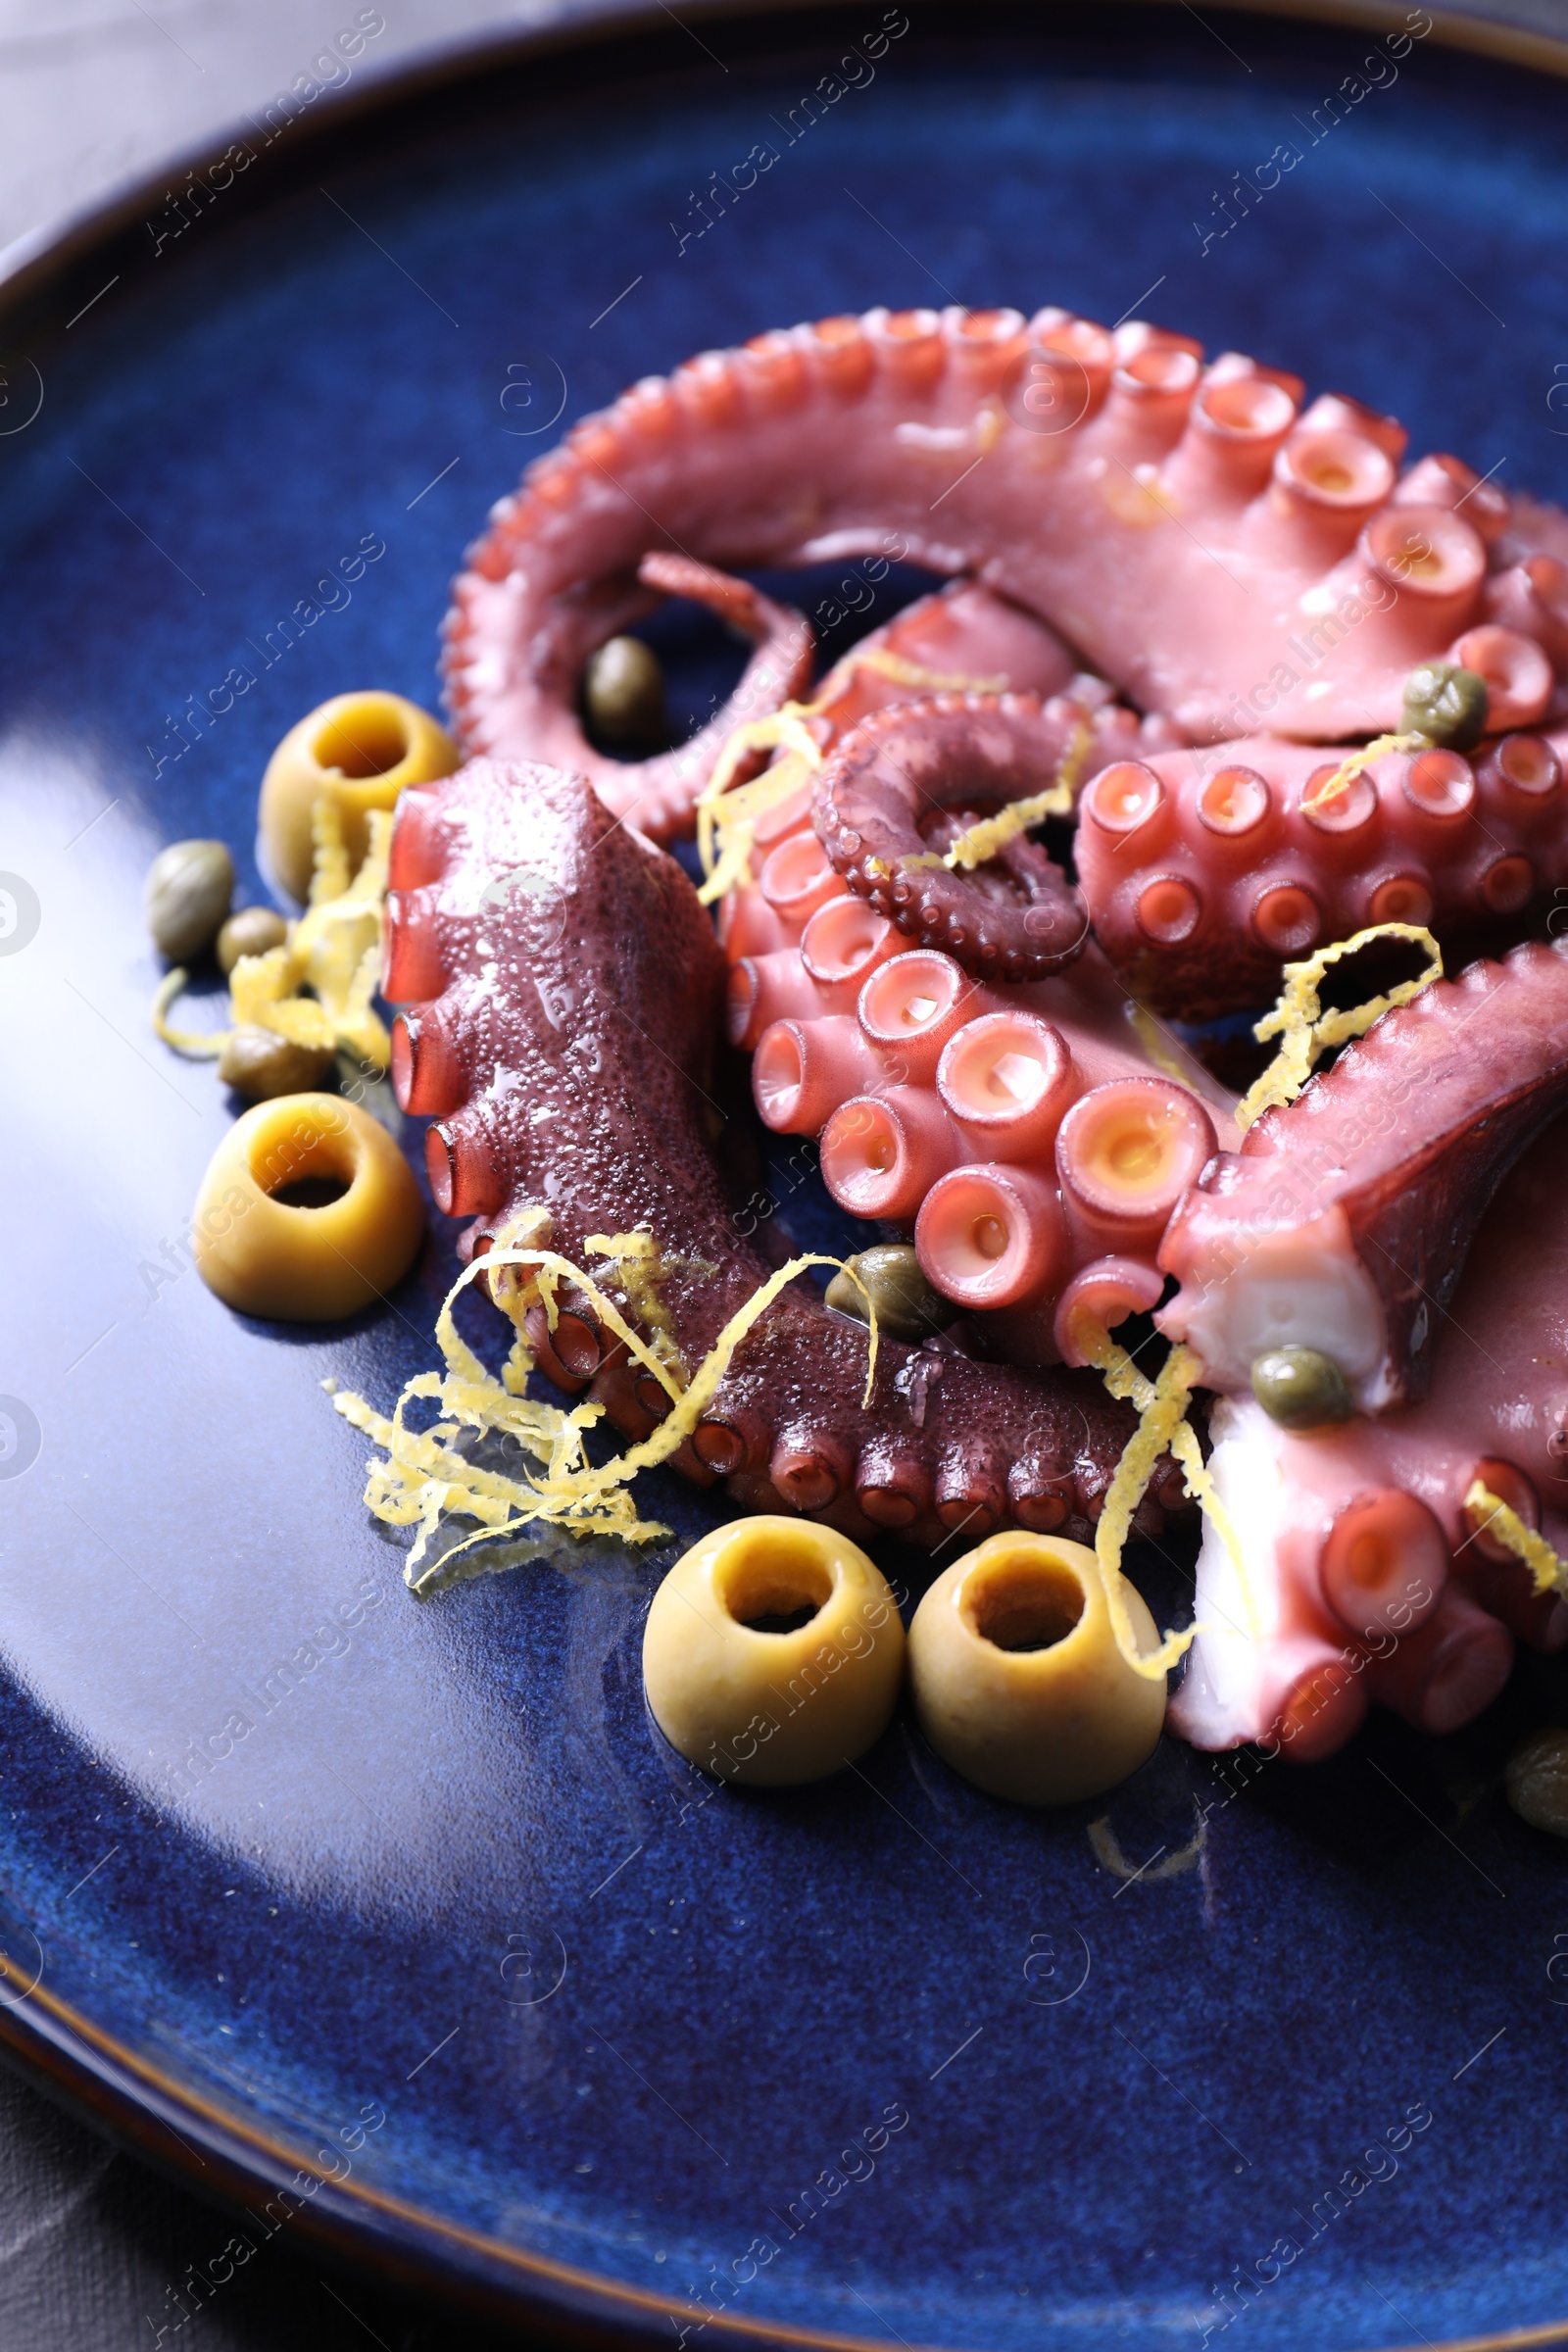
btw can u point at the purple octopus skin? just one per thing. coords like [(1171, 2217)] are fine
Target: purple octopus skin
[(1373, 1578), (1204, 871), (1222, 555), (1342, 1221), (955, 751), (563, 991)]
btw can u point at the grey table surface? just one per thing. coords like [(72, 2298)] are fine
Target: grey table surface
[(94, 94)]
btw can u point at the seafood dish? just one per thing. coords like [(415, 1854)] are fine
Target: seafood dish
[(1226, 704)]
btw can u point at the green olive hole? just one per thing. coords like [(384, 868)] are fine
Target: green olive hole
[(310, 1192), (301, 1170), (1026, 1604), (369, 739), (770, 1588)]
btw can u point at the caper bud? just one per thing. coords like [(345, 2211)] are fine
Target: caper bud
[(1535, 1778), (907, 1306), (258, 1064), (1301, 1388), (624, 693), (1446, 703), (188, 889), (251, 932)]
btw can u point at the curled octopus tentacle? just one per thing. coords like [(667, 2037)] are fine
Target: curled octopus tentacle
[(536, 946), (1192, 529), (658, 794), (964, 632), (950, 752)]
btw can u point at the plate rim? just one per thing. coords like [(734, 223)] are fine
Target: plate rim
[(78, 2063)]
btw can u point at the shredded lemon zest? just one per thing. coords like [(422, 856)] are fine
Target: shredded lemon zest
[(990, 835), (334, 950), (1161, 1407), (197, 1045), (642, 1268), (337, 945), (726, 819), (423, 1479), (1352, 764), (262, 995), (1548, 1567), (1305, 1031), (1160, 1417), (886, 664)]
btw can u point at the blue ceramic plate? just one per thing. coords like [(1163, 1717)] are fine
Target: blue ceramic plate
[(395, 1920)]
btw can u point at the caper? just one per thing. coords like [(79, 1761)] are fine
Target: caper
[(1446, 703), (251, 932), (258, 1064), (1535, 1778), (907, 1306), (624, 693), (188, 889), (1301, 1388)]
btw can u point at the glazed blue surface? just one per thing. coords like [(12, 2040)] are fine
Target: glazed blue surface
[(613, 2015)]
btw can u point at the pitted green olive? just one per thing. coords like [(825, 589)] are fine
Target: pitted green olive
[(189, 886), (1537, 1781), (907, 1306), (251, 932), (1446, 703), (1300, 1387), (624, 693), (258, 1064)]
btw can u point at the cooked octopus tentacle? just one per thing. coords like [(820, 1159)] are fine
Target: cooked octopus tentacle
[(561, 989), (1373, 1574), (1342, 1223), (948, 751), (963, 633), (1205, 872), (657, 793), (1190, 529), (1024, 1132)]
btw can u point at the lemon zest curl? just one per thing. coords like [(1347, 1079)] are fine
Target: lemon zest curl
[(424, 1480), (1307, 1031), (1549, 1569), (1352, 764)]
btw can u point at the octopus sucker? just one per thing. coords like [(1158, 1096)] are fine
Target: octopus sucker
[(569, 988), (1191, 530), (1342, 1223)]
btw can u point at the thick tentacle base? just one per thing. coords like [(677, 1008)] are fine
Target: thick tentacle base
[(562, 987), (1342, 1223)]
